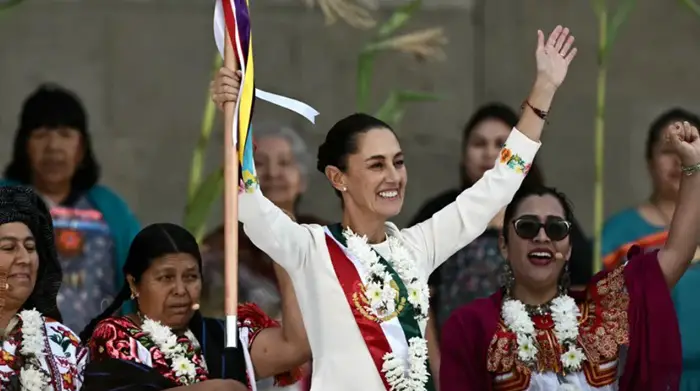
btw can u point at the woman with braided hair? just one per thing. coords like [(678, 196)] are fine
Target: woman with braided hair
[(167, 343), (38, 352)]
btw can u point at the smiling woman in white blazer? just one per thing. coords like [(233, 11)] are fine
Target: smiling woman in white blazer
[(362, 284)]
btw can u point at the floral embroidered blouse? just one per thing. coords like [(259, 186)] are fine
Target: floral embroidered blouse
[(628, 332), (121, 338), (63, 364), (603, 329)]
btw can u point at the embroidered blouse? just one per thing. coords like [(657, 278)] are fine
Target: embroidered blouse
[(121, 338), (622, 313), (64, 364), (603, 328)]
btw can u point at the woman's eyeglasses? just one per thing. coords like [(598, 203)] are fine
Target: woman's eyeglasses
[(556, 228)]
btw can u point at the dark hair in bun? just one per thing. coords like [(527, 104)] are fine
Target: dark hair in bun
[(341, 140)]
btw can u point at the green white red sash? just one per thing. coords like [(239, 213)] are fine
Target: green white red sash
[(380, 337)]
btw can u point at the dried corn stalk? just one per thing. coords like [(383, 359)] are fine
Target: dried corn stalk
[(356, 13), (425, 44)]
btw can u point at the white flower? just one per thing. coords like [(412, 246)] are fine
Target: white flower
[(377, 269), (373, 291), (573, 358), (411, 378), (164, 338), (527, 351), (565, 314), (31, 376), (516, 318), (415, 294), (32, 379), (183, 367)]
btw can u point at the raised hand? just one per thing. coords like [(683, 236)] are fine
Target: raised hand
[(554, 56), (224, 88), (684, 140)]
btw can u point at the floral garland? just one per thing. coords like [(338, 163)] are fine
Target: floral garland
[(32, 377), (184, 369), (565, 314), (382, 294)]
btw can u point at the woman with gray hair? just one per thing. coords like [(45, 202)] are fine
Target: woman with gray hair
[(282, 162)]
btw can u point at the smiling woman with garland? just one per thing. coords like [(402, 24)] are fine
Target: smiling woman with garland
[(167, 343), (37, 352), (362, 283), (620, 334)]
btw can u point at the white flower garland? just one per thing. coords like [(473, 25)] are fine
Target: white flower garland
[(32, 377), (565, 314), (381, 297), (184, 369)]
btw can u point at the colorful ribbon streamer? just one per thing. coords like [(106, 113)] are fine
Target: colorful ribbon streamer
[(233, 15)]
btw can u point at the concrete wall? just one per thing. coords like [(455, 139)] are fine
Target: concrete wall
[(142, 68)]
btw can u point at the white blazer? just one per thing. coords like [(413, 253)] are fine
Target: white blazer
[(341, 360)]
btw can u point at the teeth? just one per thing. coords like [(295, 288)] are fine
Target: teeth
[(541, 254), (389, 194)]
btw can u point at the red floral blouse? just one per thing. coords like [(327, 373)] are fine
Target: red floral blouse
[(121, 338)]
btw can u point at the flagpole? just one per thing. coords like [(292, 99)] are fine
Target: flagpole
[(231, 187)]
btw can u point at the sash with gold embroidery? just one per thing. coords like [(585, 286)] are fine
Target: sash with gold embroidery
[(390, 333)]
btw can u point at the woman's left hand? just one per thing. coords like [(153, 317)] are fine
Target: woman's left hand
[(554, 56), (684, 139)]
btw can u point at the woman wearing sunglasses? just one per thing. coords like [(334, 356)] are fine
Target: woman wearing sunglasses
[(621, 333)]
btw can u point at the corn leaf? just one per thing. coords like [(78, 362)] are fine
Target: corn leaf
[(365, 69), (398, 19), (198, 209), (692, 5), (200, 150), (418, 96), (599, 7), (5, 4), (393, 109), (619, 18)]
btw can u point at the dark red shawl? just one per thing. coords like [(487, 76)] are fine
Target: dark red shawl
[(653, 359)]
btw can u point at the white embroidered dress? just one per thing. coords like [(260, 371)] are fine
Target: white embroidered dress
[(341, 357), (64, 360)]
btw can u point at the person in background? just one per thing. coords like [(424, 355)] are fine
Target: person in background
[(53, 154), (282, 162), (473, 272), (647, 225)]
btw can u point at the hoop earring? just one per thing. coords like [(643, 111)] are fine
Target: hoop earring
[(507, 278)]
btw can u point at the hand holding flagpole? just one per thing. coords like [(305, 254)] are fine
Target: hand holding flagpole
[(234, 39)]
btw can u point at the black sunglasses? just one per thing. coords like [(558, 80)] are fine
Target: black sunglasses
[(528, 227)]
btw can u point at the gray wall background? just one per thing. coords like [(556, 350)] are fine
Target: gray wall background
[(143, 67)]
